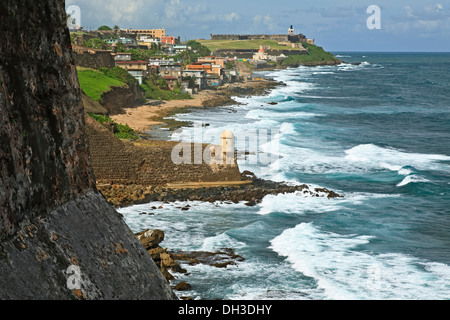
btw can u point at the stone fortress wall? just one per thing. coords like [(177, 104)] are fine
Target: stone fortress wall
[(274, 37), (248, 53), (147, 163)]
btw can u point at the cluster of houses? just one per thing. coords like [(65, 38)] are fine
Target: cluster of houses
[(147, 39), (207, 72)]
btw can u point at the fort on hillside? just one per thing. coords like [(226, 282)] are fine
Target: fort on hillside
[(289, 37)]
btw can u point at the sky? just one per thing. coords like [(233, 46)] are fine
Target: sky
[(405, 25)]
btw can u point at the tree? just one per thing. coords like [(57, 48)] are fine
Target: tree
[(229, 64), (96, 43), (201, 49), (192, 81), (104, 28), (116, 30), (120, 47), (186, 57)]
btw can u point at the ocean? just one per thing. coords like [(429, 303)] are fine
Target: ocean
[(377, 132)]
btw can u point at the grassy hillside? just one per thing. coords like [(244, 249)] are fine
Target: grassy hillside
[(95, 83), (242, 44), (315, 55)]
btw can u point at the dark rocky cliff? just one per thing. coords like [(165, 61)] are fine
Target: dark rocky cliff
[(59, 239), (119, 98)]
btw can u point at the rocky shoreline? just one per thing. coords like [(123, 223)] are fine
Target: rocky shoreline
[(252, 194), (170, 262), (218, 97)]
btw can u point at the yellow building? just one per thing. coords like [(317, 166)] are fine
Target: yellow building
[(212, 60), (149, 42), (133, 65), (152, 33)]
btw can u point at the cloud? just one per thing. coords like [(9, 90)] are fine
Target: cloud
[(434, 8), (409, 12), (264, 23), (337, 12), (174, 9), (232, 17), (423, 21)]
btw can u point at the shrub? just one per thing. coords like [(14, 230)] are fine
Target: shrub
[(152, 91), (120, 74), (120, 131), (96, 43)]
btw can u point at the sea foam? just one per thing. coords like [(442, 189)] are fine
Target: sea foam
[(395, 160), (344, 271)]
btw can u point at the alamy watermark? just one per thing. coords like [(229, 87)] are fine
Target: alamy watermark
[(73, 17), (254, 146), (374, 21), (74, 280)]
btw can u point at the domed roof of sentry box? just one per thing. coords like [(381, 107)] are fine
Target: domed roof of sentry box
[(227, 134)]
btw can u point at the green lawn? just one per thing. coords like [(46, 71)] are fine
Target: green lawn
[(242, 44), (95, 83)]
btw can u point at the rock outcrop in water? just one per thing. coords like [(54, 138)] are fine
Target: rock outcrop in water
[(59, 239), (252, 193)]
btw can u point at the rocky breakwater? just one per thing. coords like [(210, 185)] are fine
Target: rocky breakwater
[(251, 194), (171, 261)]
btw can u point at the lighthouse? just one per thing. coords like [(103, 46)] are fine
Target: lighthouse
[(291, 31)]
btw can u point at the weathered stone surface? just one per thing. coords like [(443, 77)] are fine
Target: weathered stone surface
[(54, 225), (119, 98), (183, 286), (44, 158), (86, 233), (219, 259), (150, 238)]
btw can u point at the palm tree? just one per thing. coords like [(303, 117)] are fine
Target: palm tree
[(116, 29)]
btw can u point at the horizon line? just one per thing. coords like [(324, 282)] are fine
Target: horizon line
[(362, 51)]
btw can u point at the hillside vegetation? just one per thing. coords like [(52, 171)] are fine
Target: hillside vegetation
[(120, 131), (315, 55)]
